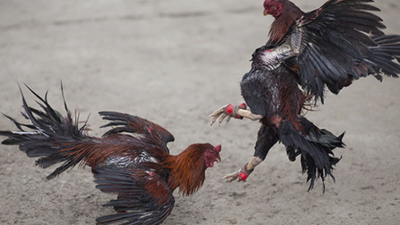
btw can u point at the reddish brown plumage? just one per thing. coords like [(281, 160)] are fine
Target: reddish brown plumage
[(288, 13), (292, 101), (131, 159), (182, 169), (186, 170)]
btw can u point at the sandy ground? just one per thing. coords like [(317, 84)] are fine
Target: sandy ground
[(174, 62)]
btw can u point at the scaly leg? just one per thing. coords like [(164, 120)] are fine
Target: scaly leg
[(229, 111), (267, 137), (243, 173)]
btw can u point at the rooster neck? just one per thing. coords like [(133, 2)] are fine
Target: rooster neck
[(186, 171), (283, 22)]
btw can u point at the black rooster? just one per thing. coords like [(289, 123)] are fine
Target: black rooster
[(328, 47)]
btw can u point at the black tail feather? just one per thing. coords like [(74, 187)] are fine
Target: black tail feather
[(315, 145), (48, 133)]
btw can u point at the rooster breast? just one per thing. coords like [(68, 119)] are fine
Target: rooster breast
[(271, 93), (260, 91)]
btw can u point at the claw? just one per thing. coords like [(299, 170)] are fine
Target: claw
[(219, 113), (231, 177), (223, 116), (228, 111), (228, 119)]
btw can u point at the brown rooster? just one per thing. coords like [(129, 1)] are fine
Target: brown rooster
[(306, 52), (131, 160)]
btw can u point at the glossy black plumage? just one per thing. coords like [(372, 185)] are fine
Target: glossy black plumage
[(280, 101), (331, 47), (307, 53)]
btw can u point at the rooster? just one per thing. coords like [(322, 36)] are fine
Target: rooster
[(328, 47), (131, 159)]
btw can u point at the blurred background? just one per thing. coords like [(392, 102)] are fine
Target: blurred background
[(174, 62)]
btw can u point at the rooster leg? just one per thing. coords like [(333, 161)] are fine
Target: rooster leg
[(229, 111), (231, 176), (249, 115), (244, 172), (267, 137), (217, 113)]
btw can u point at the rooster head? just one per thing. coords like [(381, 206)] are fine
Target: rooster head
[(211, 155), (273, 7)]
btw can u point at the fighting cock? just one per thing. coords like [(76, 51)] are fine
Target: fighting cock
[(328, 47), (131, 159)]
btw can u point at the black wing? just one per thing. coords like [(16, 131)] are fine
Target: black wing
[(332, 46), (137, 125), (143, 196)]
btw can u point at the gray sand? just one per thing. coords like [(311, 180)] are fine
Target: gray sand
[(174, 62)]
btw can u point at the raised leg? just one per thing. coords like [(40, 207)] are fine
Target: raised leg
[(235, 111), (244, 172), (267, 137)]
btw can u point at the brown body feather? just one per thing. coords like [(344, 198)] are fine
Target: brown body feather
[(183, 172), (131, 159), (279, 27)]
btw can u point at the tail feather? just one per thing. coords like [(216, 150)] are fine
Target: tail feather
[(46, 136), (316, 147)]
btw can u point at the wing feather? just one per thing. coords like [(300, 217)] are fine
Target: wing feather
[(333, 46), (136, 125), (143, 196)]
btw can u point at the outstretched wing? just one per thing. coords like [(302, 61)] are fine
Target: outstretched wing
[(137, 125), (143, 196), (332, 46)]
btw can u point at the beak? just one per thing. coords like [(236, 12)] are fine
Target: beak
[(218, 149), (265, 12)]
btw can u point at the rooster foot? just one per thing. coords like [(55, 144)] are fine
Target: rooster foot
[(229, 111), (241, 174), (232, 176)]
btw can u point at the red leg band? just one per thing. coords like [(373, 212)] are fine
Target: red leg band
[(232, 110), (229, 109), (244, 173)]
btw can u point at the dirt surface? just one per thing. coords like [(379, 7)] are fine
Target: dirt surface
[(174, 62)]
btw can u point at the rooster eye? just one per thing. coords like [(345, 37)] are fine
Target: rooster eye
[(273, 6)]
